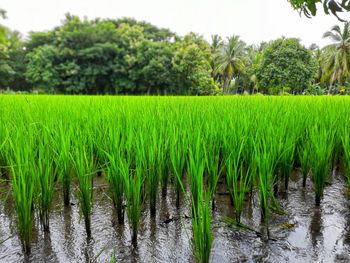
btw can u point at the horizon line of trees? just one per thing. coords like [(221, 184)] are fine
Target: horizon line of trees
[(125, 56)]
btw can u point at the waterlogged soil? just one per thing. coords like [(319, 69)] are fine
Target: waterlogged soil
[(302, 234)]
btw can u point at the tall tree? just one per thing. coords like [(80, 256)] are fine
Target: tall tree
[(230, 60), (192, 66), (337, 54), (216, 44), (286, 66)]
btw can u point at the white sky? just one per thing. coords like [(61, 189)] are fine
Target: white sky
[(253, 20)]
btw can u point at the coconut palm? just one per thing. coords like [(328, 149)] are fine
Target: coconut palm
[(230, 60), (337, 54), (216, 45)]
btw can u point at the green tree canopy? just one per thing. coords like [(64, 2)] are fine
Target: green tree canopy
[(285, 66), (118, 56)]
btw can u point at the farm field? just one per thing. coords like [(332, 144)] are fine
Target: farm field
[(166, 179)]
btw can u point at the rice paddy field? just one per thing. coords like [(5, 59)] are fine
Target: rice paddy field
[(174, 179)]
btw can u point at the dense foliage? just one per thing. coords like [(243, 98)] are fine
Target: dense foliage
[(125, 56), (286, 65)]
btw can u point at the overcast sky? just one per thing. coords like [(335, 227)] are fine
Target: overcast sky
[(253, 20)]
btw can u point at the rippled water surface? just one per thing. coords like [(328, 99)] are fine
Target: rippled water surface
[(303, 234)]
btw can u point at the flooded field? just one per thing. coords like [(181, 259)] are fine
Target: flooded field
[(304, 233), (86, 178)]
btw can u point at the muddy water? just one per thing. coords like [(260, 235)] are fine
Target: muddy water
[(303, 234)]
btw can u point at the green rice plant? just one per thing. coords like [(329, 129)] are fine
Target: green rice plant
[(304, 153), (84, 164), (201, 214), (238, 181), (113, 258), (163, 164), (202, 232), (64, 161), (238, 177), (178, 154), (4, 137), (345, 138), (286, 152), (44, 173), (337, 147), (322, 143), (213, 166), (265, 161), (23, 182), (148, 154), (116, 179), (196, 168), (133, 189)]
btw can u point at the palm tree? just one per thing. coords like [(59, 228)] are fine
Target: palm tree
[(216, 45), (337, 54), (230, 60)]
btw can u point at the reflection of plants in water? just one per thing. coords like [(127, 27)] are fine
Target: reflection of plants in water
[(346, 232), (67, 216), (316, 229)]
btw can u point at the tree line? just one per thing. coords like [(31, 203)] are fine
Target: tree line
[(125, 56)]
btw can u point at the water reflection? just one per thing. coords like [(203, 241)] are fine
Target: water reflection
[(315, 230), (307, 234)]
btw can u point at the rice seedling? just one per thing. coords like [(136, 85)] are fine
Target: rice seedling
[(64, 160), (4, 137), (44, 173), (113, 258), (163, 164), (265, 166), (238, 180), (196, 168), (116, 179), (345, 138), (285, 153), (84, 163), (178, 154), (213, 167), (201, 215), (23, 183), (133, 189), (322, 143), (202, 232), (148, 154), (304, 155)]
